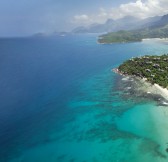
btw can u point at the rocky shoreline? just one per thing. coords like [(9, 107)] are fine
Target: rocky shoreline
[(155, 91)]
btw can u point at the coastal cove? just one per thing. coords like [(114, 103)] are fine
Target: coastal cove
[(66, 105)]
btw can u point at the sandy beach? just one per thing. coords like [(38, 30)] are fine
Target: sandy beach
[(163, 91), (154, 89), (162, 40)]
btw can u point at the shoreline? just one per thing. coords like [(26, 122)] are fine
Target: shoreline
[(148, 87), (164, 91), (164, 40), (124, 42)]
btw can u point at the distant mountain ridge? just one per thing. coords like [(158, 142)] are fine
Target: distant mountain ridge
[(156, 29), (125, 23), (160, 23)]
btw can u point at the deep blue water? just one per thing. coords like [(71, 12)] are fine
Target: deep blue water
[(57, 100)]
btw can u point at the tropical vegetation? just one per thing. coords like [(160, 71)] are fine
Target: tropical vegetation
[(153, 68)]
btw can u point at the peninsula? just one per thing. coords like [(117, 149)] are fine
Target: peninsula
[(133, 35), (153, 69), (158, 29)]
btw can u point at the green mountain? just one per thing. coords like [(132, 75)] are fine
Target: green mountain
[(158, 29)]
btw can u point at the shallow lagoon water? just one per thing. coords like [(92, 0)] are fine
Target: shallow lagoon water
[(65, 104)]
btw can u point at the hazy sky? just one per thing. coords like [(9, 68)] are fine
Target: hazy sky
[(25, 17)]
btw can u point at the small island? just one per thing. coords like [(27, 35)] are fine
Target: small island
[(153, 69)]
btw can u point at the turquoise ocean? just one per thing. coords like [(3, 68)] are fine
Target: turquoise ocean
[(61, 102)]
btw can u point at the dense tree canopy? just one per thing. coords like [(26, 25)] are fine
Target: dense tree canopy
[(153, 68)]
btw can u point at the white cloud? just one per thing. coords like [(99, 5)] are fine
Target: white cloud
[(139, 8), (85, 19), (82, 19), (144, 9)]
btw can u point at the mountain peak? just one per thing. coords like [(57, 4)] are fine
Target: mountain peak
[(124, 23)]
